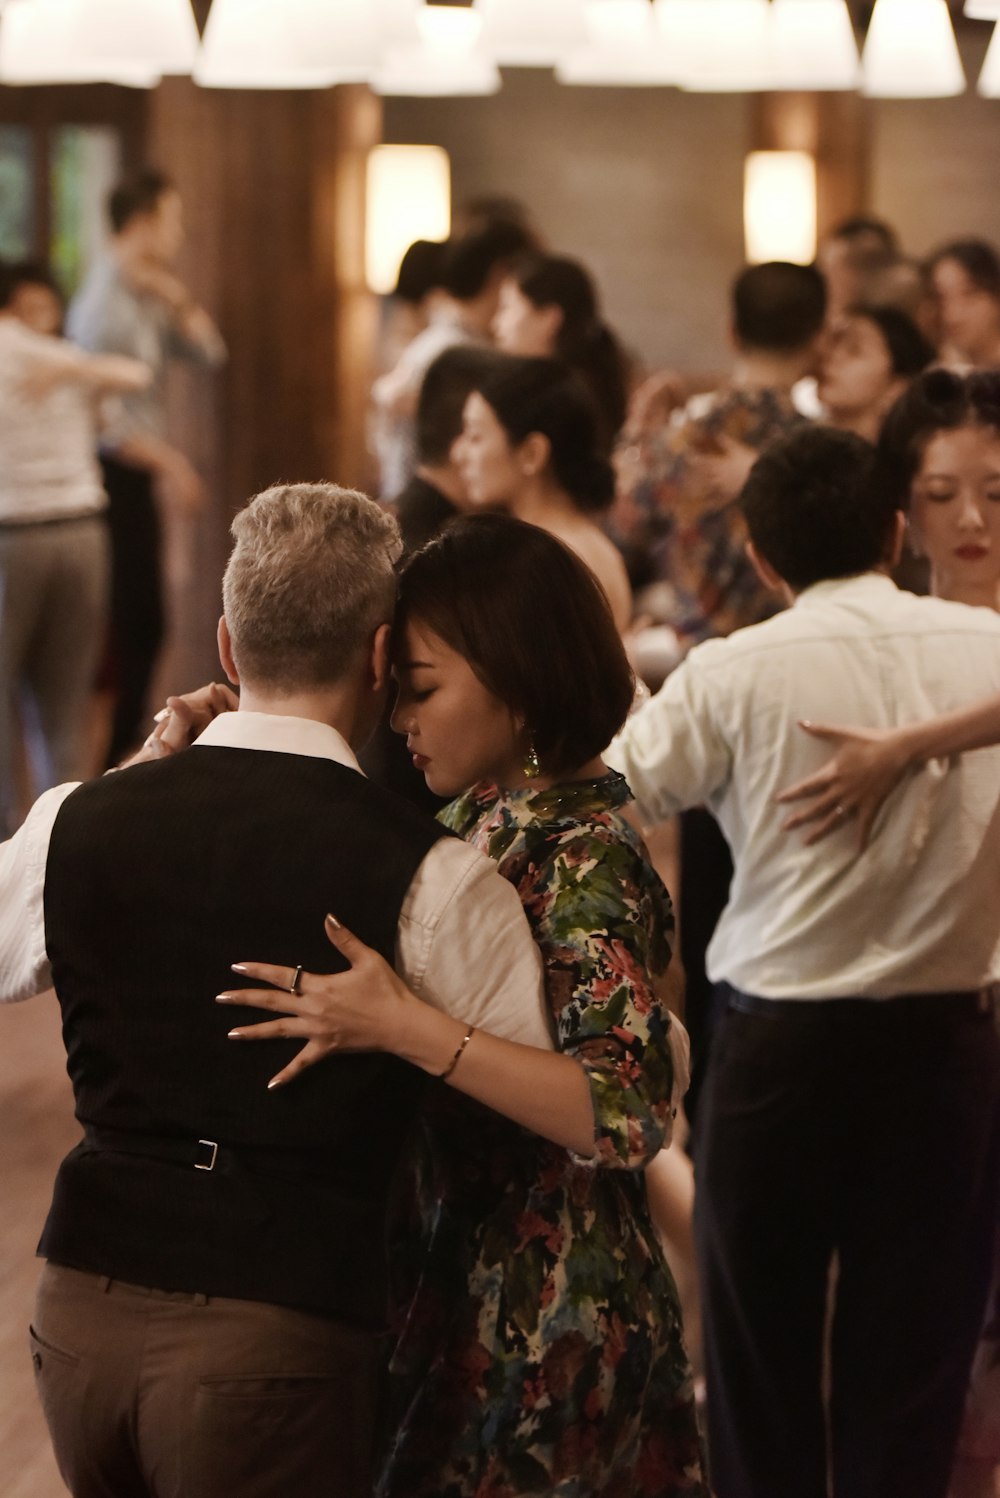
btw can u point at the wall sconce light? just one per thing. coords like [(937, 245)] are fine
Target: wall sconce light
[(779, 207), (408, 198)]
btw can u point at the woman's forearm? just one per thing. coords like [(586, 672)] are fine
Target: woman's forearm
[(975, 727), (544, 1091)]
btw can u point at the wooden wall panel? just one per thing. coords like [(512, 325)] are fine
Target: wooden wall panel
[(273, 186)]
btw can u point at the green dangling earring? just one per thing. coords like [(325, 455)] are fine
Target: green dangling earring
[(531, 767)]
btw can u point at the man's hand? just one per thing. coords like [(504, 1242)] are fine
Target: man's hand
[(152, 278)]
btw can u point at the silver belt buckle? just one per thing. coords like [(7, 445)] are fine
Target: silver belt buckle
[(211, 1145)]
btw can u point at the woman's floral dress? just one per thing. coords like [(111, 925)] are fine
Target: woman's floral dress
[(539, 1349)]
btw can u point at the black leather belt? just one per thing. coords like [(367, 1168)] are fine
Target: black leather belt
[(206, 1154), (965, 1005)]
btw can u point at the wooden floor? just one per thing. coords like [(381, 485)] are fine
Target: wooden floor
[(36, 1129)]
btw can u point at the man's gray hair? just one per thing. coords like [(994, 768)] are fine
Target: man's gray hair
[(310, 579)]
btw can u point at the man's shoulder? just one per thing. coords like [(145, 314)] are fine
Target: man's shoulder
[(906, 617), (934, 614)]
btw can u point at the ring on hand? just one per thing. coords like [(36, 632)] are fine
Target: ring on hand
[(842, 812), (293, 987)]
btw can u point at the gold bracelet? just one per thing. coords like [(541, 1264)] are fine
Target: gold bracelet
[(455, 1059)]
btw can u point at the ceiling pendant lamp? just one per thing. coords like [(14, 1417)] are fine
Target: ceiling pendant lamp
[(348, 39), (718, 46), (530, 33), (812, 45), (622, 48), (447, 60), (989, 78), (35, 47), (983, 10), (249, 44), (159, 35), (910, 51)]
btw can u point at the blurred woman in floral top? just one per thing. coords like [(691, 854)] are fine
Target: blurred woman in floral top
[(537, 1337)]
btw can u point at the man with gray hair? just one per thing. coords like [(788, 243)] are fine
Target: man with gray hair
[(207, 1321)]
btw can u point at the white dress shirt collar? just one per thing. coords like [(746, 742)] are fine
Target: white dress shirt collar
[(269, 731), (861, 586)]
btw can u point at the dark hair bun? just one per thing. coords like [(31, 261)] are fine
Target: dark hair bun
[(542, 395)]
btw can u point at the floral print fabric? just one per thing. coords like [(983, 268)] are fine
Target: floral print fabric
[(541, 1351), (685, 548)]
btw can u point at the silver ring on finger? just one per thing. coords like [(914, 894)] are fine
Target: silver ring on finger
[(293, 987)]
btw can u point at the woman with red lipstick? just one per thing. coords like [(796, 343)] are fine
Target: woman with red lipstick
[(941, 449), (538, 1341)]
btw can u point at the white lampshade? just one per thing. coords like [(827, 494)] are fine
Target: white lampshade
[(415, 72), (718, 46), (249, 44), (812, 45), (989, 78), (910, 51), (156, 35), (408, 197), (622, 48), (531, 33), (779, 207), (983, 10), (447, 60), (35, 47), (344, 38)]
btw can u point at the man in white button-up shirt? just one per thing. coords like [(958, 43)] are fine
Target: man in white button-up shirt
[(215, 1250), (851, 1103)]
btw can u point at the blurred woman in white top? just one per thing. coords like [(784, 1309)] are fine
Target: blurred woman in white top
[(53, 542)]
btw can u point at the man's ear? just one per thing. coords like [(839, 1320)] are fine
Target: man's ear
[(226, 652), (764, 570), (381, 661)]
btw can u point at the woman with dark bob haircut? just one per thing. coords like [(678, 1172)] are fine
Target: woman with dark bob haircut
[(530, 446), (538, 1345)]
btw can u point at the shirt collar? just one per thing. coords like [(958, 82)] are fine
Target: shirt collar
[(278, 735), (862, 585)]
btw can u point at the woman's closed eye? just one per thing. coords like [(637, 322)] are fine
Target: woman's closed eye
[(938, 494)]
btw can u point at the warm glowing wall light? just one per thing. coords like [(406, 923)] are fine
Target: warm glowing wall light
[(408, 198), (779, 206)]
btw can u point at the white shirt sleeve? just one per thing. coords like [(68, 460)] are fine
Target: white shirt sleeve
[(671, 751), (464, 945), (24, 962)]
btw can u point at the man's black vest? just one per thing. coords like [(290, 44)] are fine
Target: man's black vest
[(158, 878)]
